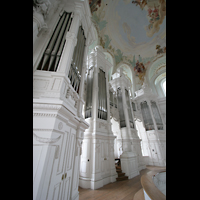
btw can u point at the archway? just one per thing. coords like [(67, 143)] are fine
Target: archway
[(110, 59), (128, 72)]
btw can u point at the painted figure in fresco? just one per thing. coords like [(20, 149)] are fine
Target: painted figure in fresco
[(141, 3), (94, 5), (140, 70), (136, 66), (139, 67), (153, 14), (160, 50)]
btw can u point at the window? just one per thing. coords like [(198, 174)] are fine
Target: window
[(163, 84)]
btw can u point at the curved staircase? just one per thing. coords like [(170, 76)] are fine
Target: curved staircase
[(121, 175)]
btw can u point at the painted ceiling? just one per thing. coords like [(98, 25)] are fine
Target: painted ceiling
[(131, 30)]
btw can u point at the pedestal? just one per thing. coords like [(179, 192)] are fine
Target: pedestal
[(129, 164)]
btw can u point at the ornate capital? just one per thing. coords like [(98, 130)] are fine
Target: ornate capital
[(42, 7)]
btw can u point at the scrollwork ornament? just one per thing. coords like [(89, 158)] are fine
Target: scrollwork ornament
[(41, 6), (60, 125)]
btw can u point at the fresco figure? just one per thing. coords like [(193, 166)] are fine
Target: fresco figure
[(160, 50), (140, 71), (154, 16), (141, 3), (94, 5)]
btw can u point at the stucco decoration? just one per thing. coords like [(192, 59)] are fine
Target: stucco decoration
[(131, 30), (157, 66)]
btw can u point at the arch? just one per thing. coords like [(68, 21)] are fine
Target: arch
[(156, 67), (161, 84), (126, 70), (110, 59), (94, 43), (158, 81), (159, 77), (129, 73)]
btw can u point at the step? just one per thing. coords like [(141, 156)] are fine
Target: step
[(139, 195), (121, 174), (122, 178), (119, 171), (118, 167)]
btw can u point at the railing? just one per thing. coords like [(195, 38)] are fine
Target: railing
[(160, 181), (151, 191)]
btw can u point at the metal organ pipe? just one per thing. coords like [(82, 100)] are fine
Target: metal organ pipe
[(73, 64), (80, 61), (51, 56), (99, 94), (146, 116), (120, 107), (77, 61), (157, 116), (62, 43), (88, 107), (129, 109), (52, 42), (58, 41), (111, 98), (105, 97), (75, 67), (102, 97)]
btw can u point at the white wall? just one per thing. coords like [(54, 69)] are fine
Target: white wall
[(116, 131)]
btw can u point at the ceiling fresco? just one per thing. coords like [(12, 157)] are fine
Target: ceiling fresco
[(132, 31)]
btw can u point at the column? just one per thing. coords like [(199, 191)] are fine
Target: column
[(156, 129)]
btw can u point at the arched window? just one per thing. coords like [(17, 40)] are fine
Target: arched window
[(163, 85)]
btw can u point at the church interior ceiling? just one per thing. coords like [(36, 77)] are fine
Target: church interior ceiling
[(133, 32)]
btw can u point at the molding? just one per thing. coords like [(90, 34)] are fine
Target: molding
[(46, 140), (44, 115)]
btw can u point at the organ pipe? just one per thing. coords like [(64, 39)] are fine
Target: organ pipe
[(51, 56), (59, 40), (148, 122), (129, 109), (89, 88), (157, 116), (102, 96), (111, 98), (115, 102), (133, 106), (62, 44), (77, 61), (120, 107)]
